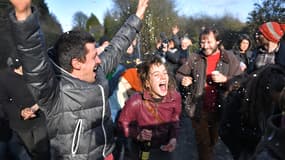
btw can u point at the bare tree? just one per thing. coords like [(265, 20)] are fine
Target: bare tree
[(79, 21)]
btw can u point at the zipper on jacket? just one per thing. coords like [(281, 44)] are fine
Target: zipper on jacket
[(156, 114), (76, 137), (102, 122)]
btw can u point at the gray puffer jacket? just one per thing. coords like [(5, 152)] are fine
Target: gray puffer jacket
[(78, 114)]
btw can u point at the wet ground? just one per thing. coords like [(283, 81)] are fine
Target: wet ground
[(186, 147)]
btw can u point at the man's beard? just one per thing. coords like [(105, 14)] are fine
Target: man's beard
[(213, 51)]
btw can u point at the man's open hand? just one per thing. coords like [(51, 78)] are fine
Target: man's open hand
[(141, 8)]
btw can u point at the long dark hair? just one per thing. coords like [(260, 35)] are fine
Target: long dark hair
[(260, 92), (240, 39)]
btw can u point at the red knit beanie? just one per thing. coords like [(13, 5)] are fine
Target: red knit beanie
[(272, 31)]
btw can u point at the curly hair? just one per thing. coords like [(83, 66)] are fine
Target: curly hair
[(144, 68)]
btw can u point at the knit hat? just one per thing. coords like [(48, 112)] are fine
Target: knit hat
[(272, 31)]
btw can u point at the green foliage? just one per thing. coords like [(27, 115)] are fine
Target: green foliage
[(124, 8), (50, 25), (227, 26), (51, 28), (41, 5), (94, 27), (159, 17), (90, 24), (111, 24), (267, 10)]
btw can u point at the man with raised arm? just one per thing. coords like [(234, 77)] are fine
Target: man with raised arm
[(70, 86)]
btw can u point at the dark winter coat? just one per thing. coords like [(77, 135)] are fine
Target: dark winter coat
[(129, 60), (240, 137), (272, 145), (15, 96), (78, 115), (260, 57), (195, 67), (171, 58), (243, 57), (280, 56)]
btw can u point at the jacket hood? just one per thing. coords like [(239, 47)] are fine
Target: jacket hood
[(58, 70)]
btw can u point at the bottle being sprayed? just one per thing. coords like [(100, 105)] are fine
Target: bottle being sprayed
[(144, 153)]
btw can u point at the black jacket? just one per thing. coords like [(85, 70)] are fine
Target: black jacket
[(243, 57), (272, 145), (261, 57), (78, 115), (15, 96), (237, 134), (280, 56)]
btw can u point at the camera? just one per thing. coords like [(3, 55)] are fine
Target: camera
[(13, 62), (163, 37), (164, 41)]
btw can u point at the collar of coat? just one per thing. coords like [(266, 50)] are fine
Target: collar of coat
[(224, 56), (168, 98)]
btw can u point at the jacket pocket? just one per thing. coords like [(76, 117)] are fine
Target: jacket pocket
[(76, 137)]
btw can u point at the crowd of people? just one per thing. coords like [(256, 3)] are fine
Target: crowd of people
[(108, 101)]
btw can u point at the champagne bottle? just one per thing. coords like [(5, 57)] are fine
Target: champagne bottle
[(144, 150)]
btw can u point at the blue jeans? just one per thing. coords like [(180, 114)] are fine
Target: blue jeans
[(3, 150), (15, 148)]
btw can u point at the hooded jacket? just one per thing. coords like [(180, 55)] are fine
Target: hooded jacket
[(78, 115)]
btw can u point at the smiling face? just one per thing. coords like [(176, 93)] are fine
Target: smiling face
[(244, 45), (185, 43), (92, 61), (157, 81), (208, 43), (85, 70)]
